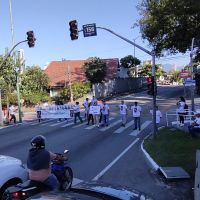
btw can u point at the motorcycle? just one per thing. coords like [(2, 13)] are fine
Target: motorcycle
[(60, 168)]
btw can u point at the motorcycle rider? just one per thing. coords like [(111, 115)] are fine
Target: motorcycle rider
[(39, 163)]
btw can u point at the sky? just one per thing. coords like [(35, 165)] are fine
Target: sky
[(49, 19)]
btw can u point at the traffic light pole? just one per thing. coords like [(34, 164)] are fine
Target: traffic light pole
[(153, 72), (18, 92)]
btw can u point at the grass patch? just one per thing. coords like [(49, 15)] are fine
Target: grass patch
[(174, 148)]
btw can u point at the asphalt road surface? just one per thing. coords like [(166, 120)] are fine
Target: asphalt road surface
[(110, 155)]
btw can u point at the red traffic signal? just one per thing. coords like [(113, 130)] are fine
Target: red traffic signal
[(31, 39), (73, 27)]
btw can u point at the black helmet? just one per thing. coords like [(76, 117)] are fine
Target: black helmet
[(38, 142)]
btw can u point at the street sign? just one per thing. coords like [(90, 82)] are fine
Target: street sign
[(184, 74), (89, 30), (190, 83)]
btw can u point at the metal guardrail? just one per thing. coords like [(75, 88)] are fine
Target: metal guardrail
[(197, 177), (188, 117)]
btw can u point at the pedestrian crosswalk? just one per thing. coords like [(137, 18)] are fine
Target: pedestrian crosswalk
[(114, 125)]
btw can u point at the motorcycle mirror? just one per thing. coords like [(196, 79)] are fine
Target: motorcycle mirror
[(66, 151)]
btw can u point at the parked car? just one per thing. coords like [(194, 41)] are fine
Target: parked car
[(12, 172)]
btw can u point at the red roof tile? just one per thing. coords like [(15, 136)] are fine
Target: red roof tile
[(59, 72)]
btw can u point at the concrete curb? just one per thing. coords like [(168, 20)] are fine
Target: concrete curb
[(154, 165)]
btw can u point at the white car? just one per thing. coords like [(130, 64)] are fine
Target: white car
[(12, 172)]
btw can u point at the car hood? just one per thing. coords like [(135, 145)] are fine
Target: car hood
[(7, 160), (94, 191)]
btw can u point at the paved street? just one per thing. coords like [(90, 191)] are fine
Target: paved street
[(107, 154)]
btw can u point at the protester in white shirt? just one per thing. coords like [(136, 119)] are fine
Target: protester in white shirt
[(195, 127), (123, 112), (12, 111), (86, 107), (77, 113), (158, 116), (105, 113), (96, 115), (38, 109), (94, 100), (136, 115)]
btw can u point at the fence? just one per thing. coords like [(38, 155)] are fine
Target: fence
[(172, 116), (118, 86)]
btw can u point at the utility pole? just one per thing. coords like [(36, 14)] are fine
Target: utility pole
[(70, 83), (1, 114), (192, 88), (17, 74), (136, 71)]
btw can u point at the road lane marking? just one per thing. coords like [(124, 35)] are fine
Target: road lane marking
[(144, 125), (95, 125), (121, 129), (57, 123), (69, 124), (41, 122), (114, 161), (111, 125), (76, 181)]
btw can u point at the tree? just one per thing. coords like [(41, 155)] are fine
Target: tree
[(170, 24), (34, 80), (175, 76), (95, 70), (34, 84), (147, 71), (130, 62)]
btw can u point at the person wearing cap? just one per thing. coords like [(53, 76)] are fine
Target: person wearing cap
[(195, 127)]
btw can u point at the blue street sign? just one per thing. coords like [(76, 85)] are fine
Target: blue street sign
[(89, 30), (190, 83)]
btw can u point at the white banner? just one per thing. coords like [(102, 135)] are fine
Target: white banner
[(95, 110), (55, 112)]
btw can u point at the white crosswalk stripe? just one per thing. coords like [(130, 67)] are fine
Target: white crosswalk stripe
[(121, 129), (93, 126), (111, 125), (58, 123), (144, 125), (41, 122), (68, 124)]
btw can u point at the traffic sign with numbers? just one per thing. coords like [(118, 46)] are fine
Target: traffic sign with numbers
[(89, 30)]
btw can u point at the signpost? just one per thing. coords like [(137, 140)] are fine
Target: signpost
[(184, 74), (89, 30), (190, 83)]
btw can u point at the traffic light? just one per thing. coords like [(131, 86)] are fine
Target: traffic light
[(73, 27), (31, 38), (151, 85)]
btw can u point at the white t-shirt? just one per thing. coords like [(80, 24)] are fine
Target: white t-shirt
[(76, 109), (122, 109), (86, 104), (136, 111), (105, 109), (158, 115), (12, 110), (181, 105)]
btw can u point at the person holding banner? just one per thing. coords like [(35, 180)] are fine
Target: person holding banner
[(105, 113), (123, 112), (77, 113), (38, 111)]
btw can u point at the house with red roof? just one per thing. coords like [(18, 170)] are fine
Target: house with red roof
[(62, 73)]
